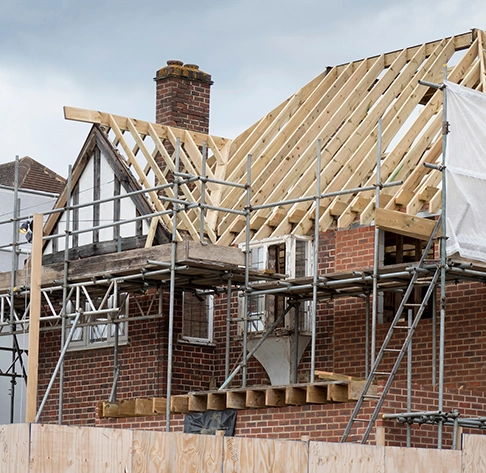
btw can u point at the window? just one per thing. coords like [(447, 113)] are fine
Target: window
[(399, 249), (197, 317), (95, 329), (290, 256)]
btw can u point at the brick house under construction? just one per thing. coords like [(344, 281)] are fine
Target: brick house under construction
[(190, 267)]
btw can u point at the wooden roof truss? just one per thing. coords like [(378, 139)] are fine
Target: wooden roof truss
[(341, 108)]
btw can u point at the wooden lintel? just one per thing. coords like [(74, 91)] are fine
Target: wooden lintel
[(295, 396), (216, 401), (404, 224), (236, 400), (255, 399), (198, 402), (275, 397)]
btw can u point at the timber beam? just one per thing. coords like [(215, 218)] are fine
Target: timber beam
[(257, 397)]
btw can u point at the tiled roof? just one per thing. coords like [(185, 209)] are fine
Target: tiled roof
[(32, 175)]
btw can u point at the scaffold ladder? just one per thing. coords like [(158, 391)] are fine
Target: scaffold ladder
[(400, 327)]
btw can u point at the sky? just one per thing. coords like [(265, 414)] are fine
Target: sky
[(103, 55)]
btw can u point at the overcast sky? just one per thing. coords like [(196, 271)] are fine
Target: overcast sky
[(103, 55)]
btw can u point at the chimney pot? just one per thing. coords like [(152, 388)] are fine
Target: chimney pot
[(174, 62), (192, 66)]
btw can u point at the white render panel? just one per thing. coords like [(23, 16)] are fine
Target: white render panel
[(127, 212), (85, 186), (107, 180)]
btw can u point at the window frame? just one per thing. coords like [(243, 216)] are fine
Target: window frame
[(84, 342), (290, 242), (209, 340)]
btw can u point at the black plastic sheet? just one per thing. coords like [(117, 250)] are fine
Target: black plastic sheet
[(210, 421)]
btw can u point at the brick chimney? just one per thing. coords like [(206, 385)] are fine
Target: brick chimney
[(182, 96)]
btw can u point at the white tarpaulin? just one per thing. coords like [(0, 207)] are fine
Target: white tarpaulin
[(466, 172)]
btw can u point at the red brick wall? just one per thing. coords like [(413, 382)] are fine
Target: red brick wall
[(340, 348)]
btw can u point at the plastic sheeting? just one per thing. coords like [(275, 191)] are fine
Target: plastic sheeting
[(210, 422), (466, 172)]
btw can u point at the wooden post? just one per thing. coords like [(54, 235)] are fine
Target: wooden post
[(34, 318)]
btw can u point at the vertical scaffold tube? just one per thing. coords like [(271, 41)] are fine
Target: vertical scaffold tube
[(315, 261), (374, 316), (247, 267), (64, 293), (443, 259), (175, 209)]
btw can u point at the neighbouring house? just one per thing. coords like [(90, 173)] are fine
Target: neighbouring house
[(293, 281), (37, 190)]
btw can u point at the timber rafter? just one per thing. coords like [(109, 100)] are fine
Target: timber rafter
[(341, 108)]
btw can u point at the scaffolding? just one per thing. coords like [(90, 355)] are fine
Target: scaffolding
[(174, 272)]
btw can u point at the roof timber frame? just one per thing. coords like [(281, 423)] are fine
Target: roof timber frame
[(341, 108)]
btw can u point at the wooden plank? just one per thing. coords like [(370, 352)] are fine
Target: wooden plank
[(179, 404), (337, 393), (108, 409), (295, 396), (162, 452), (126, 408), (198, 402), (247, 455), (275, 397), (316, 394), (14, 448), (473, 458), (133, 261), (325, 457), (34, 318), (424, 459), (255, 399), (404, 224), (102, 118), (59, 448), (159, 405), (331, 376), (144, 407), (216, 401)]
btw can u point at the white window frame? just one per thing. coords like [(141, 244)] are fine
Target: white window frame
[(259, 325), (82, 339), (210, 321)]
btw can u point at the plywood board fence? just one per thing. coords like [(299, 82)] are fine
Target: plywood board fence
[(35, 448)]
